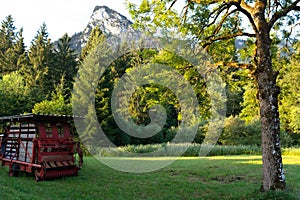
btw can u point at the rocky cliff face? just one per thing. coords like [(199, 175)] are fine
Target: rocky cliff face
[(109, 21)]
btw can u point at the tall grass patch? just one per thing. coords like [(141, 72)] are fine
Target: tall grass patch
[(182, 149), (187, 150)]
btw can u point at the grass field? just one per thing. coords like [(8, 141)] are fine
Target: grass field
[(220, 177)]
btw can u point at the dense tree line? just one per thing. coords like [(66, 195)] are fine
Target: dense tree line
[(40, 79), (40, 73)]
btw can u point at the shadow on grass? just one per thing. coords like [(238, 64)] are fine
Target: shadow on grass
[(222, 177)]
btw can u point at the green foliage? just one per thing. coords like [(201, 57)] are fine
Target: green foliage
[(13, 97), (7, 33), (40, 57), (289, 98), (236, 88), (238, 132), (94, 40), (291, 151), (83, 97), (65, 65), (164, 18), (214, 26), (57, 104), (33, 75), (12, 49), (190, 150), (147, 96), (250, 104), (29, 79)]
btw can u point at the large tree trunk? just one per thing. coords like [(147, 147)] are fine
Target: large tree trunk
[(273, 175)]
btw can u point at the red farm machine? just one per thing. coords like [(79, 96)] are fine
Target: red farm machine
[(39, 144)]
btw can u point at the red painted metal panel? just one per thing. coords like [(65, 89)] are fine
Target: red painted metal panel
[(40, 144)]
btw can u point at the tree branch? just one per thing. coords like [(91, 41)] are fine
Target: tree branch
[(215, 15), (217, 29), (284, 12), (226, 37), (249, 66), (246, 7), (207, 2), (247, 11), (172, 4)]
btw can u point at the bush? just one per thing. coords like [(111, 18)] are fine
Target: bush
[(237, 132), (286, 139)]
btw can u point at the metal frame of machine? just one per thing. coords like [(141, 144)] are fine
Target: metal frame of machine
[(40, 144)]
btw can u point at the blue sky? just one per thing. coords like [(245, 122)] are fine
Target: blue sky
[(60, 16)]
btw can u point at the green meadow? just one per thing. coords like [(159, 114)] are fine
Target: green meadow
[(215, 177)]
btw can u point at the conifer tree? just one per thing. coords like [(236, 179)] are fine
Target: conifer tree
[(12, 48), (93, 41), (84, 87), (7, 34), (40, 57), (65, 64)]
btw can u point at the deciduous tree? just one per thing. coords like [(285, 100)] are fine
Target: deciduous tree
[(211, 21)]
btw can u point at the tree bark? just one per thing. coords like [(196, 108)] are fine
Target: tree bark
[(268, 91)]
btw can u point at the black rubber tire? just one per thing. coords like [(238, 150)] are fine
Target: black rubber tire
[(15, 170)]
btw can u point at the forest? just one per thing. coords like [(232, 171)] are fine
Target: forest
[(40, 78), (254, 46)]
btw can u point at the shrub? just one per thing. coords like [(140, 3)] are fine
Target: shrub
[(238, 132)]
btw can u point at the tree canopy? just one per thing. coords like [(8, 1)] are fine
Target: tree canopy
[(213, 21)]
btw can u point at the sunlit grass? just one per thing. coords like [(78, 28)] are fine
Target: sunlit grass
[(220, 177)]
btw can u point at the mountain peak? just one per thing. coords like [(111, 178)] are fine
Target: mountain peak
[(101, 7), (109, 21), (105, 9)]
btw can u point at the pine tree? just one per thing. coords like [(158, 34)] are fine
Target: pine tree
[(12, 49), (20, 51), (40, 57), (16, 56), (83, 97), (65, 64), (93, 41), (7, 34)]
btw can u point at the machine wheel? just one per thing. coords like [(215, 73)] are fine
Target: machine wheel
[(15, 170)]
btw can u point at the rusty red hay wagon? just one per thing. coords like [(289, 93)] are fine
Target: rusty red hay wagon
[(38, 144)]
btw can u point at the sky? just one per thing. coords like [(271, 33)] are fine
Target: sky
[(60, 16)]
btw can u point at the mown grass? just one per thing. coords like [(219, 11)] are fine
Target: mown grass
[(220, 177)]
